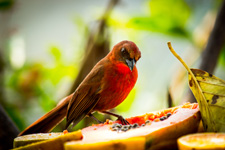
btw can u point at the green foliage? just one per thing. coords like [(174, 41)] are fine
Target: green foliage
[(168, 17), (15, 114), (37, 83), (55, 51), (6, 4), (222, 56)]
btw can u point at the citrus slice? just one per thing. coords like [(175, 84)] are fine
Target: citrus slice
[(33, 138), (202, 141), (45, 141)]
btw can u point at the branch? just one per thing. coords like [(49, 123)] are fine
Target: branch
[(97, 46), (215, 43), (213, 48), (8, 130)]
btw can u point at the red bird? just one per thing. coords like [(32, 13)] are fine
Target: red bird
[(106, 86)]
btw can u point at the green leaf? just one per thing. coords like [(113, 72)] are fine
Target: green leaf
[(209, 92), (55, 51), (169, 17)]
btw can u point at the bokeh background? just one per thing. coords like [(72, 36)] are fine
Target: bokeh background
[(46, 43)]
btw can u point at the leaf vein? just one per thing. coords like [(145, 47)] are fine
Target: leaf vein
[(220, 95), (211, 83)]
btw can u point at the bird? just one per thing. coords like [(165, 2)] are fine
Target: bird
[(105, 87)]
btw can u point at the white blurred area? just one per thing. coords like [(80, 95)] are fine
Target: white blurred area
[(33, 25), (17, 51)]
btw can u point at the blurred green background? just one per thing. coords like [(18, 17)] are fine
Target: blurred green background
[(43, 44)]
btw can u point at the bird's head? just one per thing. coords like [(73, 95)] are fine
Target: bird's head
[(126, 52)]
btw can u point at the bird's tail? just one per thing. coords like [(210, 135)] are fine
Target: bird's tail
[(47, 122)]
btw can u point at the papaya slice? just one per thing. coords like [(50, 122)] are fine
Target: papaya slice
[(157, 130), (135, 143), (202, 141), (45, 141)]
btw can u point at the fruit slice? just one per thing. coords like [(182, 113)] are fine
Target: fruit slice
[(202, 141), (44, 141), (160, 130), (135, 143), (33, 138)]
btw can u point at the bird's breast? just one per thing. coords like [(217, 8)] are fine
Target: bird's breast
[(118, 82)]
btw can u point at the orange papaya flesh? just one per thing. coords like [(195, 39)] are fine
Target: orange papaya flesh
[(157, 134), (155, 116)]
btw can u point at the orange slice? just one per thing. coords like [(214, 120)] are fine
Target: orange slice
[(202, 141)]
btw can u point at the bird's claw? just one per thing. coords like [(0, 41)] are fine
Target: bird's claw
[(123, 121)]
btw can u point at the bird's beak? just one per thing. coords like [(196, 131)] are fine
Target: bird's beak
[(130, 63)]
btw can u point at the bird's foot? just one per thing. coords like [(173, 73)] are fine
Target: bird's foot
[(123, 121)]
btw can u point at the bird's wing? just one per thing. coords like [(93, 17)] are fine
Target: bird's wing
[(85, 97)]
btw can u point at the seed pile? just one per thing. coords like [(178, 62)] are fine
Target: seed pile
[(119, 127), (165, 117)]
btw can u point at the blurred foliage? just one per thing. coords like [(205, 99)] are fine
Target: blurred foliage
[(168, 17), (6, 4), (36, 83), (222, 57)]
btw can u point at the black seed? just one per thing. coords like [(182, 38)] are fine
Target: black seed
[(127, 126), (161, 119), (119, 126), (168, 114), (135, 125), (124, 128), (147, 121), (116, 125), (115, 129), (143, 125)]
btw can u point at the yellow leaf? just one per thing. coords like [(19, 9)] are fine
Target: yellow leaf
[(209, 92)]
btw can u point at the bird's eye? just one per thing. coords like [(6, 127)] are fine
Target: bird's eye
[(124, 52)]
